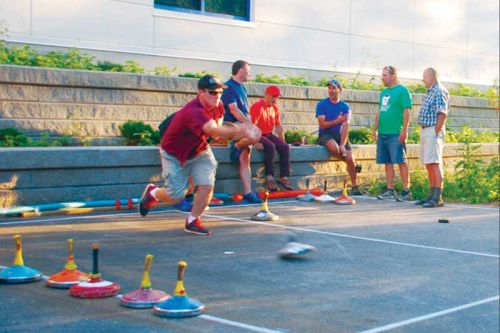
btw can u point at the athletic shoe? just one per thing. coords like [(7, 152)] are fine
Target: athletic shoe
[(355, 191), (216, 202), (271, 185), (285, 183), (405, 196), (387, 195), (196, 227), (147, 200), (184, 205), (433, 203), (251, 198), (234, 153)]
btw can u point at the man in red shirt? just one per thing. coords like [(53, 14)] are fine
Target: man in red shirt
[(265, 114), (185, 152)]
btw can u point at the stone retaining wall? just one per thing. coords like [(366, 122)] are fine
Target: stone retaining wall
[(44, 175), (94, 104)]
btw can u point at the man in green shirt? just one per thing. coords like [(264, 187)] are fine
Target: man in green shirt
[(391, 132)]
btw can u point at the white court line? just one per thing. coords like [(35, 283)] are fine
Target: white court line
[(86, 217), (456, 205), (431, 315), (353, 237), (238, 324), (208, 317)]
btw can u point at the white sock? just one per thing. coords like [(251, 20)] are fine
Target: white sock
[(191, 218), (153, 193)]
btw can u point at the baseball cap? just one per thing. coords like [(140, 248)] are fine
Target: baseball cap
[(210, 82), (334, 83), (273, 91)]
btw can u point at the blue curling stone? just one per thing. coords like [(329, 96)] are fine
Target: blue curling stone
[(20, 274), (178, 307)]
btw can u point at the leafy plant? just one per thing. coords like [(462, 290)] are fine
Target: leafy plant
[(197, 75), (137, 133), (361, 136), (164, 71), (474, 181), (12, 137), (296, 136)]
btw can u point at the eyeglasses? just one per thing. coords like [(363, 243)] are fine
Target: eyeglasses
[(215, 92)]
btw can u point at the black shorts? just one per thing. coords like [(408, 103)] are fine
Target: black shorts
[(325, 137)]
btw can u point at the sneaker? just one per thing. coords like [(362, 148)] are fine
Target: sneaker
[(147, 200), (216, 202), (251, 198), (271, 185), (184, 205), (433, 203), (355, 191), (234, 153), (405, 196), (285, 183), (387, 195), (196, 227)]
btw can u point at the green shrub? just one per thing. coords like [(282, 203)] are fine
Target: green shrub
[(136, 133), (296, 136), (108, 66), (197, 75), (361, 136), (12, 137), (164, 71)]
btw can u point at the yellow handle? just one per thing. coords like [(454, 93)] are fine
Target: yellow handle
[(19, 245), (146, 280), (179, 288), (18, 260), (147, 265), (70, 247), (180, 270)]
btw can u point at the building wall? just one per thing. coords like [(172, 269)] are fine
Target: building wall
[(458, 37), (95, 104)]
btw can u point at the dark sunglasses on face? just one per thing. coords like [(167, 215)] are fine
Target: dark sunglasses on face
[(214, 92)]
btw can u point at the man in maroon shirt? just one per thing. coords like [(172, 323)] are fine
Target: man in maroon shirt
[(185, 152)]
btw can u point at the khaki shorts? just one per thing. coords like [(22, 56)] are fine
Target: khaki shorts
[(202, 168), (431, 146)]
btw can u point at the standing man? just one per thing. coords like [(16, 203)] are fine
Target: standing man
[(235, 99), (391, 132), (333, 116), (266, 116), (184, 152), (432, 119)]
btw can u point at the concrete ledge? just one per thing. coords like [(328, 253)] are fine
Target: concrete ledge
[(44, 175)]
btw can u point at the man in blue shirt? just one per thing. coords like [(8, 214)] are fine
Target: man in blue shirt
[(235, 99), (431, 119), (333, 116)]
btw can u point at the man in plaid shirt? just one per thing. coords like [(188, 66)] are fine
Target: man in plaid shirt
[(432, 120)]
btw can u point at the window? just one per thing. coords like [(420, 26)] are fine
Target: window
[(235, 9)]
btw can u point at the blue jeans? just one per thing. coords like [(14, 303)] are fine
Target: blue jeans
[(390, 150)]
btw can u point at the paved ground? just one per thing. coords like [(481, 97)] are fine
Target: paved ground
[(379, 266)]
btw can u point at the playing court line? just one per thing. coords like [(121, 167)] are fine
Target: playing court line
[(456, 205), (208, 317), (238, 324), (135, 212), (431, 315), (351, 236)]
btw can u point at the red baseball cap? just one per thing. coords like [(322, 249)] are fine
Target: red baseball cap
[(273, 91)]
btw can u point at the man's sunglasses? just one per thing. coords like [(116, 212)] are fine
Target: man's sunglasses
[(215, 92)]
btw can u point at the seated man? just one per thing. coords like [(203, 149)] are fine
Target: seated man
[(184, 152), (333, 116), (235, 100), (265, 114)]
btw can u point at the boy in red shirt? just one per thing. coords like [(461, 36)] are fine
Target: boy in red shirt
[(265, 114), (185, 152)]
